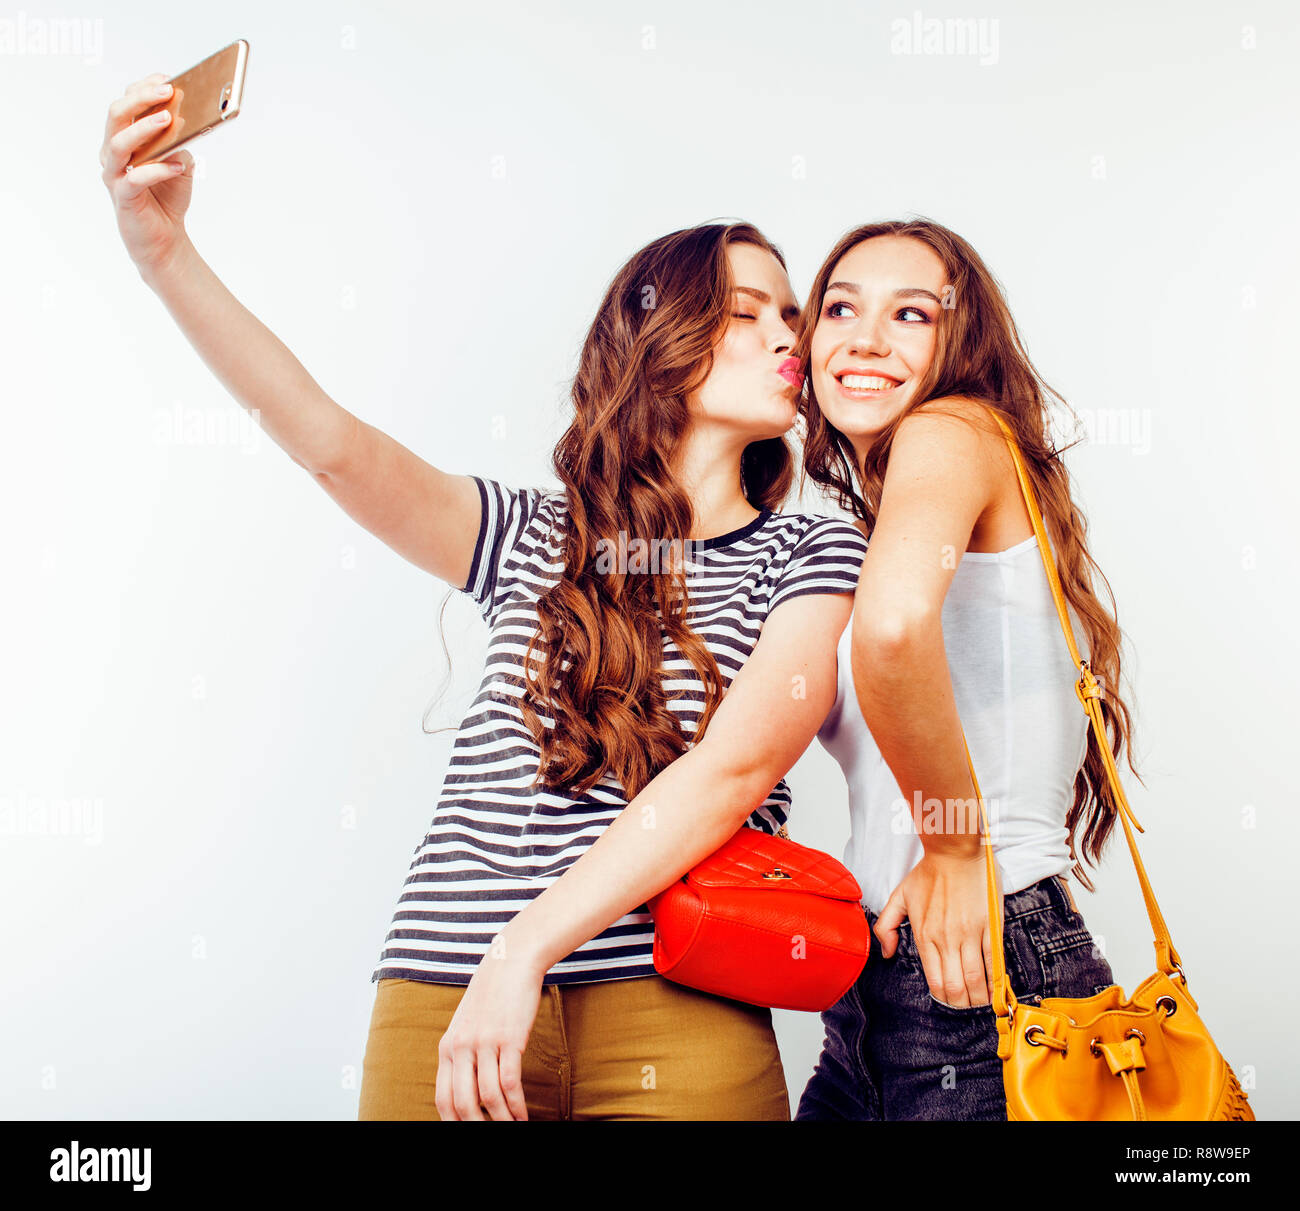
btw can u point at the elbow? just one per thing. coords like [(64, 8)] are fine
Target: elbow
[(334, 454), (891, 638), (738, 785)]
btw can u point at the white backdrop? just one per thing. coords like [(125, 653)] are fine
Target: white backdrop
[(213, 770)]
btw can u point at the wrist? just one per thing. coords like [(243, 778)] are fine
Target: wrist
[(169, 264), (955, 847), (519, 945)]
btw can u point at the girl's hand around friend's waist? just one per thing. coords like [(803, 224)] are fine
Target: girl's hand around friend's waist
[(945, 897)]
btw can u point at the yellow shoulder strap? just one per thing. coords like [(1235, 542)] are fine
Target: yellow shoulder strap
[(1089, 692)]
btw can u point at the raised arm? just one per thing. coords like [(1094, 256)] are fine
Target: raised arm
[(768, 717), (426, 515)]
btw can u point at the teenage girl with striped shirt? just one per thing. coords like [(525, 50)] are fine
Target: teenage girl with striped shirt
[(519, 980)]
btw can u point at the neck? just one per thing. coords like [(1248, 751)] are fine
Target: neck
[(861, 448), (708, 468)]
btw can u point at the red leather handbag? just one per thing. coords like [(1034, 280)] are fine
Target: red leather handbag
[(763, 920)]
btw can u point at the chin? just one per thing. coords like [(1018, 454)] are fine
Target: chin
[(860, 424), (778, 419)]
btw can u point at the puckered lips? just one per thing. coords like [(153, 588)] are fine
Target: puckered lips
[(792, 371)]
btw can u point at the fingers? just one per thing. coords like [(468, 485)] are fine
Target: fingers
[(123, 145), (512, 1080), (151, 90), (887, 922), (958, 972), (469, 1082), (948, 908), (442, 1085), (490, 1093), (974, 978), (124, 129), (942, 962), (464, 1085), (937, 968), (986, 947), (137, 180), (138, 97), (455, 1088), (954, 979)]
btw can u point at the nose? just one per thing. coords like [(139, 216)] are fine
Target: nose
[(868, 337), (782, 338)]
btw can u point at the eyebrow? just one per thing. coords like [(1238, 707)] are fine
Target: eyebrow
[(763, 297), (903, 292)]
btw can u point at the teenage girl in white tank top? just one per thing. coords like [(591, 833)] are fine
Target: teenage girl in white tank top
[(908, 343), (1013, 682)]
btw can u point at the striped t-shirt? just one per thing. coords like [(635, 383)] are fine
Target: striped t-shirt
[(495, 842)]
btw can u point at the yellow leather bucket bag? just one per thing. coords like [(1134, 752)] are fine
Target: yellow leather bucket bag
[(1104, 1057)]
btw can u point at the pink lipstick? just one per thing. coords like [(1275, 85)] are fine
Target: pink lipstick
[(792, 371)]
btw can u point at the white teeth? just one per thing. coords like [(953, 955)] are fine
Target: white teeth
[(867, 382)]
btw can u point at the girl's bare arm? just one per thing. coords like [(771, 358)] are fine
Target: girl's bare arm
[(428, 516)]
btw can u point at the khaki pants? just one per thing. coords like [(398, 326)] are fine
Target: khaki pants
[(638, 1048)]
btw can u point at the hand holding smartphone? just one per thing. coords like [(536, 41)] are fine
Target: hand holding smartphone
[(204, 97), (146, 131)]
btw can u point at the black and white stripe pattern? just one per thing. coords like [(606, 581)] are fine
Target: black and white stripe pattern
[(494, 843)]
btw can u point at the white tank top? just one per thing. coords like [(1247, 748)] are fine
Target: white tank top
[(1013, 682)]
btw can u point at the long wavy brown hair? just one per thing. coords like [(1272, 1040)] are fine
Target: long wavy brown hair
[(979, 355), (595, 663)]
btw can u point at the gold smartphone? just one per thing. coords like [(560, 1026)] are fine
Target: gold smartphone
[(208, 94)]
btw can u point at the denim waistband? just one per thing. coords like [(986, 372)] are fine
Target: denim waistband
[(1046, 893)]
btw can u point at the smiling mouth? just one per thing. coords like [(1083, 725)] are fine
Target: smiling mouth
[(866, 386)]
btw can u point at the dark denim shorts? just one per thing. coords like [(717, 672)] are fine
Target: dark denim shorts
[(892, 1051)]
